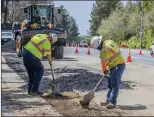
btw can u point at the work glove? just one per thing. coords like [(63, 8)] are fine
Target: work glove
[(107, 73)]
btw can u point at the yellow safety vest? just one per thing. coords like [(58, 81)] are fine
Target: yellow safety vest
[(39, 45), (111, 54)]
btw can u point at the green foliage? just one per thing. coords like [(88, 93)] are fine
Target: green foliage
[(148, 38), (133, 42), (101, 10), (123, 24)]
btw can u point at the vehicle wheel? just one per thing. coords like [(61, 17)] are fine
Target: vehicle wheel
[(151, 51), (59, 52)]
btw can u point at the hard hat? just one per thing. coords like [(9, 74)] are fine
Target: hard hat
[(95, 42), (54, 37)]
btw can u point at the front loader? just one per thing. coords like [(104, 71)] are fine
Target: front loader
[(41, 18)]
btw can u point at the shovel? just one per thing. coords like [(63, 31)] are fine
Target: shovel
[(55, 87), (89, 96)]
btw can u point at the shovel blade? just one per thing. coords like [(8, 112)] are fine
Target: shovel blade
[(87, 98), (55, 89)]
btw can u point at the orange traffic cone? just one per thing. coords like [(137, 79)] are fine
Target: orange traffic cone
[(153, 54), (129, 59), (88, 52), (76, 50), (140, 52)]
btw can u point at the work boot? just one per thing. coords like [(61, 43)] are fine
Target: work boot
[(104, 103), (110, 106), (36, 93)]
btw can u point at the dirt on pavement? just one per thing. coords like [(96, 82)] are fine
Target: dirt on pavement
[(68, 105)]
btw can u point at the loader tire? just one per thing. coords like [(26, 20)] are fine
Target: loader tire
[(59, 52)]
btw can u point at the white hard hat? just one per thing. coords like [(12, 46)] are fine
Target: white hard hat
[(95, 42)]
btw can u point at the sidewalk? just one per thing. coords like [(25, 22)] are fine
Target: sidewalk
[(16, 102)]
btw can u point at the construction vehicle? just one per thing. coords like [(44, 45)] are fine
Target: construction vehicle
[(42, 18)]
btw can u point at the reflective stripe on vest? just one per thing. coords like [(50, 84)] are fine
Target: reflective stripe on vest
[(111, 50), (115, 54), (38, 44)]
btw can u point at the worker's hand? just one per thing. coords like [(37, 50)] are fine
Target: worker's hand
[(106, 71)]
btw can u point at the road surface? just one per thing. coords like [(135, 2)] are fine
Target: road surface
[(80, 72), (146, 58)]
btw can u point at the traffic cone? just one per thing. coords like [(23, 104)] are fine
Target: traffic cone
[(76, 50), (153, 54), (129, 59), (88, 52), (140, 52)]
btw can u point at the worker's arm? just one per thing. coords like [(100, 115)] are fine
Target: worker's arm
[(47, 51), (104, 60), (104, 66), (49, 59)]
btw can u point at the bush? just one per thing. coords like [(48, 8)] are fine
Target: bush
[(133, 42)]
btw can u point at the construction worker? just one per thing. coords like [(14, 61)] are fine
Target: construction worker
[(112, 58), (37, 17), (33, 51)]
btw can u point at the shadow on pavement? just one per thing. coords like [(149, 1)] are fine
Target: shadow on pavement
[(16, 100), (134, 107)]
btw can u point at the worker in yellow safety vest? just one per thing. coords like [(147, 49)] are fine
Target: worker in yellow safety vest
[(112, 58), (33, 51)]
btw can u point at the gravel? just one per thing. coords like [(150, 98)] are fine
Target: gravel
[(67, 78)]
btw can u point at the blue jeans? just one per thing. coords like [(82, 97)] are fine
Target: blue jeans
[(35, 70), (114, 83)]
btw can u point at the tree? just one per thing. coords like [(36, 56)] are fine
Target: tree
[(73, 31), (101, 10), (5, 5), (69, 24)]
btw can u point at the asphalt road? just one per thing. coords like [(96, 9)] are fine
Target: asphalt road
[(145, 58)]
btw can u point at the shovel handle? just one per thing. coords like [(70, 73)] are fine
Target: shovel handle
[(98, 83), (52, 74)]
